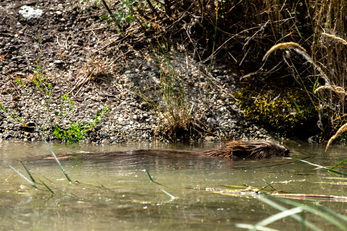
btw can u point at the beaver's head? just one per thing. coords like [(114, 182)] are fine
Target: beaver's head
[(261, 150)]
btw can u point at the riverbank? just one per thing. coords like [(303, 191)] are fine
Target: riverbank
[(131, 116), (67, 50), (192, 71)]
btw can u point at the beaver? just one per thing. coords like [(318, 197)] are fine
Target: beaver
[(248, 150), (232, 150)]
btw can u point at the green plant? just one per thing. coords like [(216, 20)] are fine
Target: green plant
[(12, 115), (65, 106), (45, 90), (125, 13), (76, 131), (41, 84), (51, 125)]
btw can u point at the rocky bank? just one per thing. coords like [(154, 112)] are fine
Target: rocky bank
[(73, 52)]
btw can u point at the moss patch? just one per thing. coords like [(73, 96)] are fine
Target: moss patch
[(281, 109)]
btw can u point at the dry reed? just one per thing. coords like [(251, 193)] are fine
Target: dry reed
[(300, 50), (282, 46), (336, 89), (344, 42), (342, 129)]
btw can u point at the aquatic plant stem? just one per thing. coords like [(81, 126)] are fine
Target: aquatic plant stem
[(170, 195), (338, 164), (282, 208), (331, 169), (317, 212), (27, 170), (150, 177), (56, 159), (47, 187), (279, 216), (21, 175)]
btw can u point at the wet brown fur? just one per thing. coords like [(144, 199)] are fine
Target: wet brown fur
[(232, 150), (248, 150)]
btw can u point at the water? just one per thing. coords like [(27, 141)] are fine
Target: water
[(115, 193)]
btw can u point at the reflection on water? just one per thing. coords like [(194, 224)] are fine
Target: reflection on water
[(114, 192)]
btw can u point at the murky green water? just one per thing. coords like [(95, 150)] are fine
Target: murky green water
[(117, 194)]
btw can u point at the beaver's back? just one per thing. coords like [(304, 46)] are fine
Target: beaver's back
[(248, 150)]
